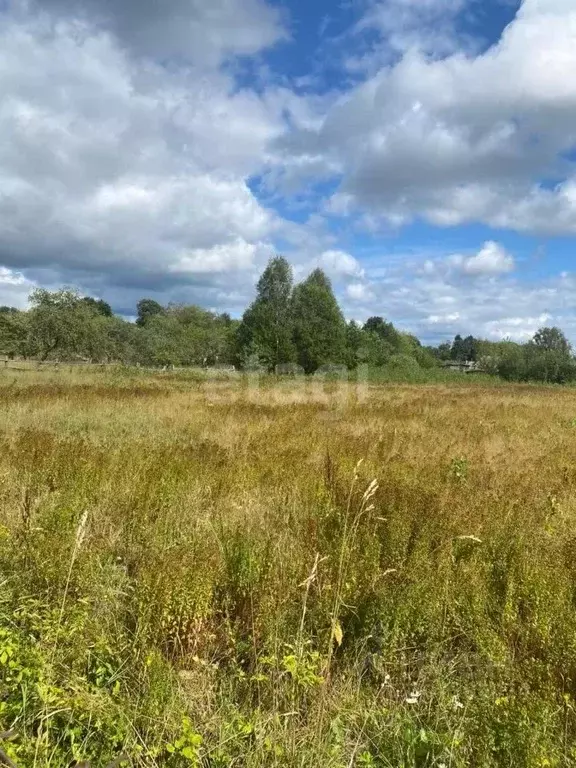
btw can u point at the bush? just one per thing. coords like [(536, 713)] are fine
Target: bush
[(529, 363)]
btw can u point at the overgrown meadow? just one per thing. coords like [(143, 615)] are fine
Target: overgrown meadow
[(202, 572)]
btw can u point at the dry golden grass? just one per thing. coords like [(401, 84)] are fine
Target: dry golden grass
[(193, 574)]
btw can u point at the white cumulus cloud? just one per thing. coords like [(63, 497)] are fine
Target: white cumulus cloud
[(119, 173), (341, 264), (359, 292), (461, 138), (492, 259)]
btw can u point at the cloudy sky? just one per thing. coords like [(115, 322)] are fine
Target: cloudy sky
[(423, 152)]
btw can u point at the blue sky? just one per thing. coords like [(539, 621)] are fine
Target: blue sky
[(422, 152)]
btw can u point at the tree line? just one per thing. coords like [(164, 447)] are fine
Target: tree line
[(287, 327)]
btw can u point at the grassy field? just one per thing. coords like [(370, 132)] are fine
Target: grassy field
[(214, 573)]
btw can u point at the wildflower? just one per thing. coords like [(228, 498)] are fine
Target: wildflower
[(413, 698)]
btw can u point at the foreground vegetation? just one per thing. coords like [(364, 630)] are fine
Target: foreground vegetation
[(208, 573)]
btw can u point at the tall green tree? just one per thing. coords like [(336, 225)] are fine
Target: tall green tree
[(458, 352), (376, 351), (354, 344), (465, 349), (185, 335), (443, 351), (552, 340), (147, 309), (61, 325), (548, 357), (319, 326), (207, 335), (267, 323), (99, 305), (385, 330), (13, 331)]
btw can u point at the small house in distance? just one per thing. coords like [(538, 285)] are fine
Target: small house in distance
[(463, 366)]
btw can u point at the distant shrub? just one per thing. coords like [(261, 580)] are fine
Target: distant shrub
[(289, 369), (403, 364), (529, 363), (332, 371)]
